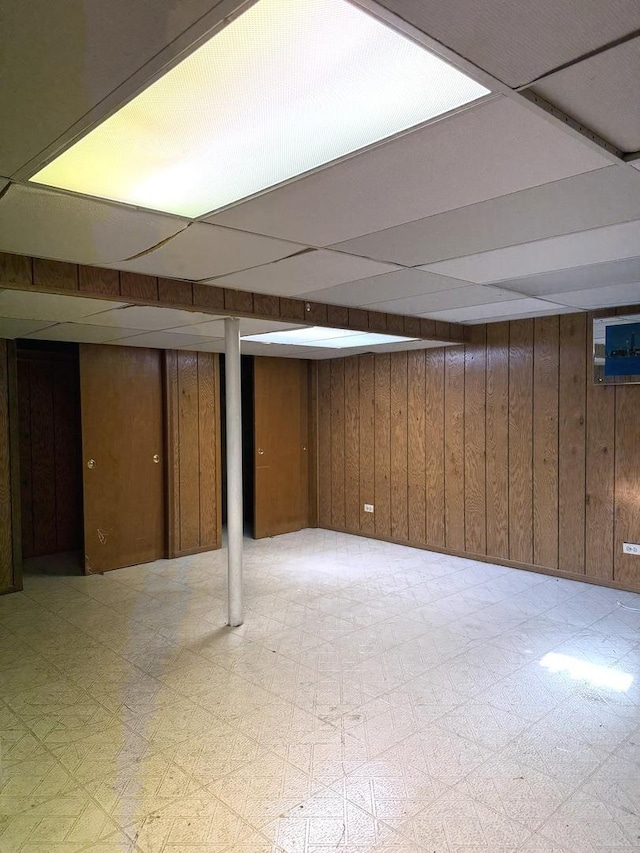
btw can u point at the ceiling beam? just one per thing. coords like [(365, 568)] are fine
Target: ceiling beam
[(19, 272)]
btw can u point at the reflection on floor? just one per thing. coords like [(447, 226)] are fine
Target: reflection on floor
[(377, 698)]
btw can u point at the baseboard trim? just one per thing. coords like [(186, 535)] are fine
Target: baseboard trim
[(485, 558)]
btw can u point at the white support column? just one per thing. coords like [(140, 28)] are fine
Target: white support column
[(234, 469)]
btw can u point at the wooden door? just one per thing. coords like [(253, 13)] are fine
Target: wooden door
[(281, 441), (123, 455)]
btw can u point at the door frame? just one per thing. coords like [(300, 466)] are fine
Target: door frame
[(14, 466)]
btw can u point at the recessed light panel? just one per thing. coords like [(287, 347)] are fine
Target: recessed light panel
[(320, 338), (284, 88)]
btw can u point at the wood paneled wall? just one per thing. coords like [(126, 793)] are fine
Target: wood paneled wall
[(501, 449), (193, 452), (50, 453), (10, 548)]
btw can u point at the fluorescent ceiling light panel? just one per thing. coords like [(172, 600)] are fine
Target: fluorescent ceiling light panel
[(320, 338), (284, 88)]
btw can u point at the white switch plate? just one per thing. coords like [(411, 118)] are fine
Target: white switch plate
[(631, 548), (369, 508)]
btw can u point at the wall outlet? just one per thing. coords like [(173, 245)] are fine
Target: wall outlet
[(369, 508), (631, 548)]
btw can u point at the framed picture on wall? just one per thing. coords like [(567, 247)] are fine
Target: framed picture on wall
[(616, 350)]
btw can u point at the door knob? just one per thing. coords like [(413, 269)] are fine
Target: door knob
[(91, 463), (304, 448), (156, 458), (260, 452)]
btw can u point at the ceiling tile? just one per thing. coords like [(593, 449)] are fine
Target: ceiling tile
[(577, 278), (11, 328), (206, 345), (254, 348), (205, 251), (602, 93), (459, 297), (528, 315), (598, 245), (304, 272), (258, 327), (159, 340), (396, 285), (149, 318), (28, 305), (215, 328), (520, 40), (603, 197), (48, 224), (78, 54), (81, 333), (488, 150), (405, 346), (210, 329), (311, 354), (601, 297), (509, 310)]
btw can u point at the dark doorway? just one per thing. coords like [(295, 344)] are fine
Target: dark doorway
[(50, 457)]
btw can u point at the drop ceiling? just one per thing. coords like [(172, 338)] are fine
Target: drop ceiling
[(498, 210), (602, 92), (521, 40)]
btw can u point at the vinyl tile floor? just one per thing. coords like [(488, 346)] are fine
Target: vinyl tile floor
[(377, 698)]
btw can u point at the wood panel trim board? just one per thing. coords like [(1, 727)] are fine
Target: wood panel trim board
[(501, 450), (19, 272)]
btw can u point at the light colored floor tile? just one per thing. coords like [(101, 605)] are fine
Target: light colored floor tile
[(233, 701), (560, 753), (263, 789), (72, 820), (442, 754), (281, 724), (378, 699), (38, 777), (131, 792), (381, 725), (485, 724), (54, 698), (389, 788), (455, 820), (326, 757), (515, 790), (164, 728), (212, 755), (327, 821), (105, 753), (200, 819), (588, 825)]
